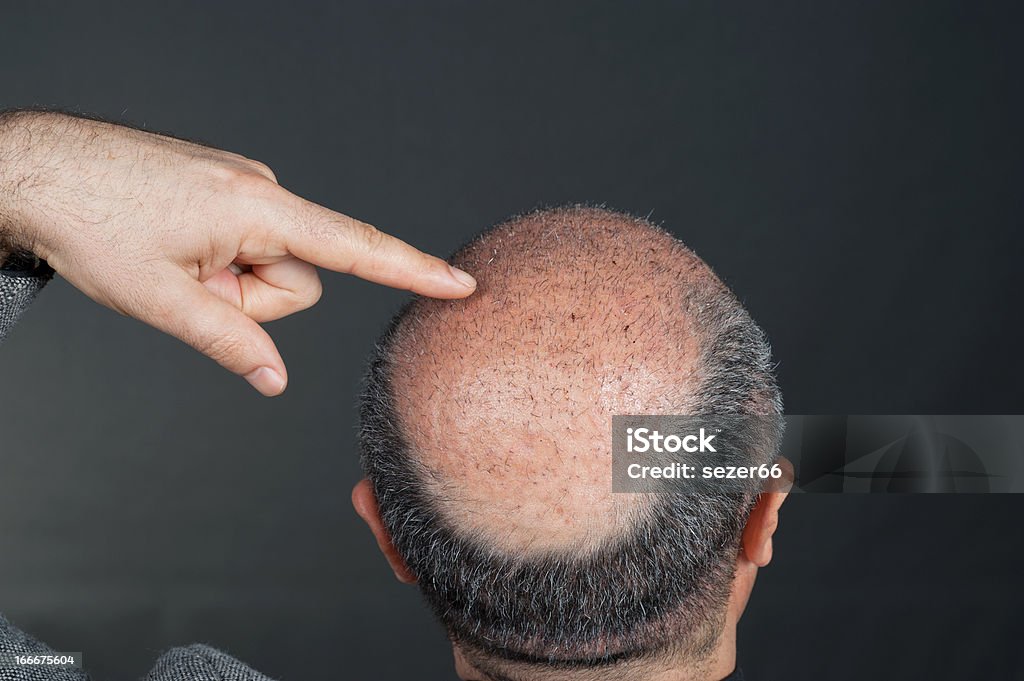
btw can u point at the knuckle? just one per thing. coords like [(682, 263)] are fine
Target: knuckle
[(262, 169), (254, 185), (244, 181), (227, 173), (372, 238)]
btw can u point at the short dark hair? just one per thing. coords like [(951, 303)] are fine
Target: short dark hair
[(664, 583)]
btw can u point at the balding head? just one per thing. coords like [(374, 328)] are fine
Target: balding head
[(487, 436)]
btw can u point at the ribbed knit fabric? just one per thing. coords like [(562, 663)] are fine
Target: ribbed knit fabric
[(17, 289), (201, 663)]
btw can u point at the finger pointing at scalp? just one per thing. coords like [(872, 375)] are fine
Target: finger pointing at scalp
[(343, 244)]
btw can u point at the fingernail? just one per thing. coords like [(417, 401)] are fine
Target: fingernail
[(267, 381), (463, 278)]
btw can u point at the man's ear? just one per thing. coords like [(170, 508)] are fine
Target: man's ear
[(761, 525), (757, 535), (365, 502), (764, 518)]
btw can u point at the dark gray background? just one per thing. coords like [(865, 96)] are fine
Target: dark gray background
[(853, 170)]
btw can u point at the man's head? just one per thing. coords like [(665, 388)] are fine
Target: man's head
[(486, 440)]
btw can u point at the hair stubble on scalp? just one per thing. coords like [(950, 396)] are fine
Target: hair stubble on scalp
[(485, 427)]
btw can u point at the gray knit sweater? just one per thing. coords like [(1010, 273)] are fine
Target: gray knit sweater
[(19, 283)]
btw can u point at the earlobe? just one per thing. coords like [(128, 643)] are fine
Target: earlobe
[(364, 500)]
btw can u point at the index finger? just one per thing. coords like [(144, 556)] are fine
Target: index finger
[(343, 244)]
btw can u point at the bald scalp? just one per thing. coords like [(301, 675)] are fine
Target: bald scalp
[(507, 397), (486, 429)]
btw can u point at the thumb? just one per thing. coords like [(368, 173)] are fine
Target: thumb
[(187, 310)]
